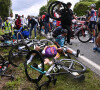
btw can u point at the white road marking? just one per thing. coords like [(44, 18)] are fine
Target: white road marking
[(93, 64), (90, 62)]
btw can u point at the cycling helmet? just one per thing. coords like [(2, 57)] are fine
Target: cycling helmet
[(93, 5), (64, 31)]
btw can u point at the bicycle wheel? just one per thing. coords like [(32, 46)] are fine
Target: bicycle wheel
[(34, 66), (18, 53), (73, 65), (45, 42), (84, 35), (56, 6)]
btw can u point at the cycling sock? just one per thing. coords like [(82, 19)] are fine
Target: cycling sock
[(74, 53), (30, 59)]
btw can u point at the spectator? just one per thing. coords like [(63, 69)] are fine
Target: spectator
[(40, 22), (46, 22), (18, 23), (66, 21), (33, 25), (11, 20), (23, 21), (7, 28)]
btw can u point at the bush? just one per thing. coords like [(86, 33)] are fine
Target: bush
[(81, 7)]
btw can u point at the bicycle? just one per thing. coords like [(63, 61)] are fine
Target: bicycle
[(3, 68), (82, 32), (20, 50), (35, 73)]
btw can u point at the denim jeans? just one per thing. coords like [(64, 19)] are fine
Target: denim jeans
[(31, 28), (46, 27)]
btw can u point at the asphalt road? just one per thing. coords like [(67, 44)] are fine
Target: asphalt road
[(87, 56), (86, 49)]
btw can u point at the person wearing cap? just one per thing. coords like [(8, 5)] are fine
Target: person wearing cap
[(92, 21), (7, 28)]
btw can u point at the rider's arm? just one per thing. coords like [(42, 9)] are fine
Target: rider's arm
[(57, 44)]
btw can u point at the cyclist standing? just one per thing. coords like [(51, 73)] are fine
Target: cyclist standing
[(92, 21)]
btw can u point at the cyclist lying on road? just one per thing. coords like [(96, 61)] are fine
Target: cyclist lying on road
[(51, 51)]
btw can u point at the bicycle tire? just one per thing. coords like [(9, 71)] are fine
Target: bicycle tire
[(79, 68), (32, 74), (16, 54), (47, 42), (52, 6), (86, 34)]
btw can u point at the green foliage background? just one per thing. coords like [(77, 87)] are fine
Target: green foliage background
[(5, 7), (81, 7), (45, 7)]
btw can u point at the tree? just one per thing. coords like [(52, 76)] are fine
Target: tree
[(42, 10), (81, 7), (45, 7), (5, 8)]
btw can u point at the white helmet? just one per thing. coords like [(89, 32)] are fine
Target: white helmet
[(93, 5)]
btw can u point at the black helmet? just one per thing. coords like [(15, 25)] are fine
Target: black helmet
[(64, 31)]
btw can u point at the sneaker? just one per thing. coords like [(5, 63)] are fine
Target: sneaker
[(92, 40), (39, 66), (95, 49), (70, 43), (78, 52)]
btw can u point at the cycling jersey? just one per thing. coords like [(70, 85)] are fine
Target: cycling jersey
[(51, 51), (60, 40)]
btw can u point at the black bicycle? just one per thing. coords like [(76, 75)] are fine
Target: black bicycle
[(18, 53), (34, 68), (4, 67), (20, 50)]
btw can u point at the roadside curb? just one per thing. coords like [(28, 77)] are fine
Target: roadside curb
[(89, 63)]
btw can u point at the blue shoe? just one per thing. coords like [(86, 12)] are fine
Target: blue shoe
[(95, 49)]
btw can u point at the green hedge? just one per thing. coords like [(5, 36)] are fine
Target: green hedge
[(81, 7), (97, 5)]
